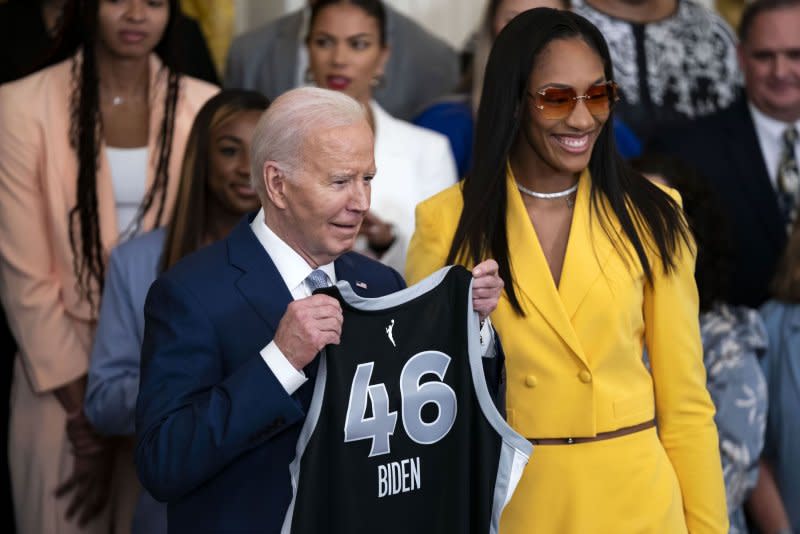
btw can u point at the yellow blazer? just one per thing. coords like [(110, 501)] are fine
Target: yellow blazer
[(51, 322), (574, 362)]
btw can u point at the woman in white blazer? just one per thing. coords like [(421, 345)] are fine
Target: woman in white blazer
[(347, 52)]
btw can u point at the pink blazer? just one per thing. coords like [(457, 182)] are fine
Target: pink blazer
[(52, 323)]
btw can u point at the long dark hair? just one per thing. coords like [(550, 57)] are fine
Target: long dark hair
[(637, 204), (86, 133), (706, 220), (373, 8), (189, 224)]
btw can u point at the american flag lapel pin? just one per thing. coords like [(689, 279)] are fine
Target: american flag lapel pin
[(361, 284)]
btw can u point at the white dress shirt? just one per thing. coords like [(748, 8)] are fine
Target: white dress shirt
[(770, 138), (294, 270)]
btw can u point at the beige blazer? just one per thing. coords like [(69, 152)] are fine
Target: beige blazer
[(38, 168)]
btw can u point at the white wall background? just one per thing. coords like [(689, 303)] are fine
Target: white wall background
[(452, 20)]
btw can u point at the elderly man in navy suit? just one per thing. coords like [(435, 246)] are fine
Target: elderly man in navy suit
[(232, 331)]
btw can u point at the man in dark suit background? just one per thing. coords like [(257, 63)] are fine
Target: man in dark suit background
[(273, 59), (745, 150), (232, 331)]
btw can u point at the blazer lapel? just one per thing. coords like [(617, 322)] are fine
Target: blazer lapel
[(531, 272), (260, 284), (106, 204), (588, 250)]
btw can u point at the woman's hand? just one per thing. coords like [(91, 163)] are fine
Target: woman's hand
[(90, 482), (486, 288), (380, 234)]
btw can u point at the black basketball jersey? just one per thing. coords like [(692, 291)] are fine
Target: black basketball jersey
[(402, 435)]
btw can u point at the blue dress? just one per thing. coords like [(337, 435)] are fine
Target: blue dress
[(734, 338), (782, 368), (113, 383)]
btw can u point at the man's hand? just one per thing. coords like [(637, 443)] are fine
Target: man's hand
[(90, 481), (486, 288), (307, 326)]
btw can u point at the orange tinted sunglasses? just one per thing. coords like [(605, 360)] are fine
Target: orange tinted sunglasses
[(557, 103)]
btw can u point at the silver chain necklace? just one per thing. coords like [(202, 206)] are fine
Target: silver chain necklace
[(547, 196)]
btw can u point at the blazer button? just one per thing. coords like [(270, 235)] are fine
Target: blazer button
[(531, 381), (585, 376)]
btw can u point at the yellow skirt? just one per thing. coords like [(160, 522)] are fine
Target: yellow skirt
[(624, 485)]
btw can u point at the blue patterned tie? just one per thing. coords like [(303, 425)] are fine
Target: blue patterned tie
[(317, 279), (788, 178)]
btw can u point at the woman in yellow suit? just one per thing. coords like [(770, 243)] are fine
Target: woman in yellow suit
[(599, 266)]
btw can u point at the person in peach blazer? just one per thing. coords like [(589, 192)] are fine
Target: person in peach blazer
[(598, 265), (90, 153)]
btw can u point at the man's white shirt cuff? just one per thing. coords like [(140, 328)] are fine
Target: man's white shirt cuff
[(290, 378)]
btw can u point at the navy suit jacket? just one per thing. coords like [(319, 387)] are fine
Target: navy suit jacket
[(216, 431), (725, 149)]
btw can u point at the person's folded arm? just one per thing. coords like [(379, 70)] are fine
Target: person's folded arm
[(113, 383)]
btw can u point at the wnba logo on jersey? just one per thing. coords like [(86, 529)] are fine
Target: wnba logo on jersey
[(389, 333)]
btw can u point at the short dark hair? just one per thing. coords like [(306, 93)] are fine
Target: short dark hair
[(752, 10), (373, 8)]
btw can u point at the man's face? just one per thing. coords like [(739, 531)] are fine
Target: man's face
[(324, 201), (770, 60)]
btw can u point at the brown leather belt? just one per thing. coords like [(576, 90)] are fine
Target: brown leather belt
[(599, 437)]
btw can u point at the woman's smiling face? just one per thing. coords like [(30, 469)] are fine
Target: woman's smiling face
[(564, 145)]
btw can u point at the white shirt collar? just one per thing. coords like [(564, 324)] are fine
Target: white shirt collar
[(769, 126), (291, 266), (769, 132)]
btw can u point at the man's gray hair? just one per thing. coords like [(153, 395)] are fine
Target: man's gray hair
[(283, 128)]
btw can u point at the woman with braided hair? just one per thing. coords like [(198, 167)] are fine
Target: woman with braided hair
[(90, 151)]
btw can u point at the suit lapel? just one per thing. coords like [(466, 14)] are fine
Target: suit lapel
[(260, 284), (744, 148), (530, 270), (588, 249)]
